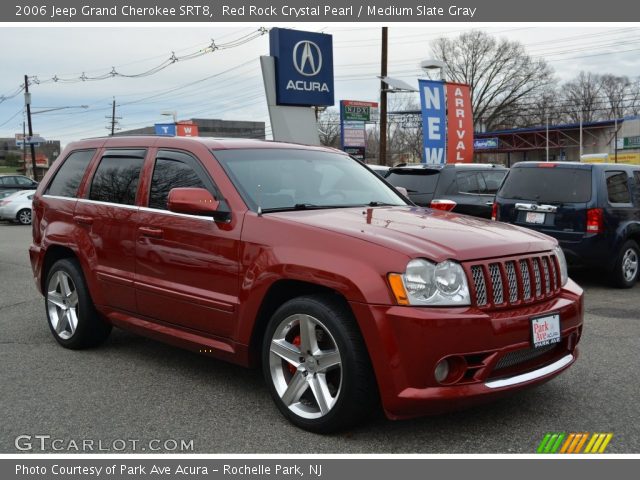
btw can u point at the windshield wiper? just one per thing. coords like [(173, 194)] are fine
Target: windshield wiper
[(303, 206), (375, 203)]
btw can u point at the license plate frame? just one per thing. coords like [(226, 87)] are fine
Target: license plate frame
[(535, 218), (545, 330)]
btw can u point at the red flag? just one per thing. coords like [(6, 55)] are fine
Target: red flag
[(459, 124)]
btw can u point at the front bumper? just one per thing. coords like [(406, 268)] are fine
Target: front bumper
[(406, 343)]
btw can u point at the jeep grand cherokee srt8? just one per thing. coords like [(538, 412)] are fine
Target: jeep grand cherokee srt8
[(301, 260)]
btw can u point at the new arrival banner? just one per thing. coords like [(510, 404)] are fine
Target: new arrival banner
[(459, 124), (433, 108)]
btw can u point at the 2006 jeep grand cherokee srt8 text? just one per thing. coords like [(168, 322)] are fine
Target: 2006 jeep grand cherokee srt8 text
[(302, 260)]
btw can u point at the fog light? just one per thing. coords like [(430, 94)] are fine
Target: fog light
[(442, 371)]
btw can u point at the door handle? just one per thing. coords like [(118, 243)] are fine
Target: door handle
[(81, 220), (150, 232), (489, 203)]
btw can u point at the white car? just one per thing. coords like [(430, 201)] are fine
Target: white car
[(17, 207)]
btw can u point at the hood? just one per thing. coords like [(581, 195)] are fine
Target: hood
[(433, 234)]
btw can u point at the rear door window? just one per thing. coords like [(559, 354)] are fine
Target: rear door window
[(419, 181), (116, 178), (68, 177), (470, 182), (618, 187), (548, 184)]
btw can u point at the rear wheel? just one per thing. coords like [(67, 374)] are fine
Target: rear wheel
[(627, 267), (24, 216), (72, 317), (316, 366)]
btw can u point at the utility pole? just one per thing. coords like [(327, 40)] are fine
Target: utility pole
[(581, 150), (24, 145), (27, 101), (382, 159), (113, 119)]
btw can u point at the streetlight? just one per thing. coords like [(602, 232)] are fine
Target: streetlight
[(171, 113), (432, 64)]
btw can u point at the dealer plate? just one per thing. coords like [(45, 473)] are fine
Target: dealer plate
[(545, 330), (534, 217)]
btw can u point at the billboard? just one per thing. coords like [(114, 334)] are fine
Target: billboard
[(459, 124), (433, 108), (304, 67), (353, 110), (165, 129)]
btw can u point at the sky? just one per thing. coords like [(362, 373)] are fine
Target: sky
[(227, 82)]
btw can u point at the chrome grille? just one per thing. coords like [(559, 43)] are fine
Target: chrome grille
[(512, 281), (496, 283), (522, 356), (536, 273), (526, 279), (547, 280), (481, 288), (554, 273)]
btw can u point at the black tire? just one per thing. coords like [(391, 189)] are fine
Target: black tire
[(90, 329), (621, 276), (24, 216), (357, 394)]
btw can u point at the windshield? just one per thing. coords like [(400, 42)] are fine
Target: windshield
[(554, 185), (287, 179)]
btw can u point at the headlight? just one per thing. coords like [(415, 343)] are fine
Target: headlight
[(562, 261), (427, 283)]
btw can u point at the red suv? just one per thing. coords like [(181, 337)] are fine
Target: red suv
[(304, 261)]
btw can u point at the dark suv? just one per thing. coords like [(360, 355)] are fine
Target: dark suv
[(462, 188), (592, 209)]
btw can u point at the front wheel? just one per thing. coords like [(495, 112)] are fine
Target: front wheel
[(625, 271), (316, 365)]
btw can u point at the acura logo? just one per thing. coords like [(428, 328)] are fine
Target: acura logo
[(307, 58)]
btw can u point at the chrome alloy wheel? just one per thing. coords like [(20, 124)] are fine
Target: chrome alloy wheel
[(630, 264), (62, 304), (24, 217), (305, 365)]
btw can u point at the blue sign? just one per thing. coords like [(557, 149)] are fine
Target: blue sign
[(485, 143), (433, 121), (304, 67), (166, 129)]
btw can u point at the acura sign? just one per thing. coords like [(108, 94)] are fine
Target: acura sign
[(304, 67)]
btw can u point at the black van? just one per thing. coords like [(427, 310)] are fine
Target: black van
[(592, 209)]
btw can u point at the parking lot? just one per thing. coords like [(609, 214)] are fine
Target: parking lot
[(134, 388)]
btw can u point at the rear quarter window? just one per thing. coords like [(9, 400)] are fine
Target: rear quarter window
[(68, 177), (618, 187)]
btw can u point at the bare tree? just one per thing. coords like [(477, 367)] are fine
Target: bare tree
[(329, 127), (582, 94), (615, 93), (500, 73)]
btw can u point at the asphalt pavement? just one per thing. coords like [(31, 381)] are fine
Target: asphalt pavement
[(132, 390)]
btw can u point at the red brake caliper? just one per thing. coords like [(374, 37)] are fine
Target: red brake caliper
[(296, 342)]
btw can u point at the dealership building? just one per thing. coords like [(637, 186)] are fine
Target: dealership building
[(618, 139)]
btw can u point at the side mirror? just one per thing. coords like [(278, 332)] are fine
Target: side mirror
[(192, 201)]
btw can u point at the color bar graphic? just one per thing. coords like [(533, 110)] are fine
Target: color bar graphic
[(559, 442)]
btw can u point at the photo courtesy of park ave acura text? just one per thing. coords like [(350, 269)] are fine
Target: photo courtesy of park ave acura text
[(318, 238)]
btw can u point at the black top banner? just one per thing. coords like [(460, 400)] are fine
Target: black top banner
[(289, 11)]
